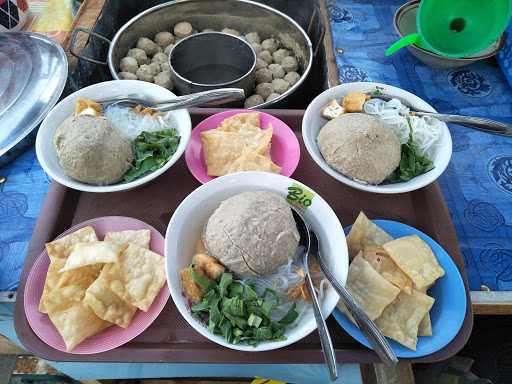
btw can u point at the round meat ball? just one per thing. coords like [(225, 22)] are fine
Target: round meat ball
[(139, 55), (292, 78), (241, 229), (277, 71), (264, 90), (165, 67), (265, 55), (147, 45), (272, 96), (256, 47), (127, 76), (128, 64), (145, 73), (164, 79), (167, 49), (231, 31), (163, 39), (290, 64), (160, 58), (155, 68), (280, 86), (279, 55), (253, 37), (183, 29), (263, 75), (360, 146), (270, 45), (261, 64), (253, 101)]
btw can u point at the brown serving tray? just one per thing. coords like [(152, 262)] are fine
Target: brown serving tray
[(170, 338)]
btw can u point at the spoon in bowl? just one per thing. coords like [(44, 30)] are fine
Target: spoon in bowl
[(367, 326), (325, 337), (212, 97)]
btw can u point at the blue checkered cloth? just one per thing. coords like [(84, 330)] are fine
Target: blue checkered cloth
[(478, 183)]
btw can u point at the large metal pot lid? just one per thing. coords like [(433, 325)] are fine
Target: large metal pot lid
[(33, 73)]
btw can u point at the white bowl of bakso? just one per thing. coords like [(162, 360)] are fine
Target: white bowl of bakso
[(91, 147), (364, 135), (233, 260)]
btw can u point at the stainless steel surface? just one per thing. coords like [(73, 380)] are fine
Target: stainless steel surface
[(212, 60), (33, 72), (475, 122), (243, 15), (206, 98), (405, 24), (367, 326), (323, 332)]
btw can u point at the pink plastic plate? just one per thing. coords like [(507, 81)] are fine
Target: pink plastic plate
[(114, 336), (285, 149)]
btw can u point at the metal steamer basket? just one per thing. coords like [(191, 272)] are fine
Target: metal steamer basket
[(243, 15)]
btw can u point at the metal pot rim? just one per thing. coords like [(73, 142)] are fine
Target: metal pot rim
[(292, 89), (226, 84)]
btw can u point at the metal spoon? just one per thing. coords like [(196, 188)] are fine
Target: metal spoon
[(325, 338), (213, 97), (479, 123), (370, 330)]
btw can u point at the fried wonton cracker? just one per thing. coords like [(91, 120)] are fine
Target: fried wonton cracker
[(365, 232), (138, 277), (77, 323), (141, 237), (382, 263), (240, 120), (415, 258), (369, 289), (425, 328), (61, 248), (94, 252), (70, 288), (52, 278), (107, 305), (253, 161), (221, 149), (401, 319)]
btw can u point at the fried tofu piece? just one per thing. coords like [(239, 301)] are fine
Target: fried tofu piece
[(85, 106), (354, 101), (332, 110), (190, 288), (209, 265)]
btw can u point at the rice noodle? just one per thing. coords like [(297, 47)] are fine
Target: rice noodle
[(131, 123), (426, 131)]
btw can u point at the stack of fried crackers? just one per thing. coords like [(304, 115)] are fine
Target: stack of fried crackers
[(238, 144), (389, 279), (91, 285)]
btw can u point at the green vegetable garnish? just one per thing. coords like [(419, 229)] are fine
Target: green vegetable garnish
[(412, 164), (238, 313), (151, 151)]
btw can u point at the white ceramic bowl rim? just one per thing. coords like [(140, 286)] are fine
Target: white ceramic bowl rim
[(105, 89), (193, 212), (312, 120)]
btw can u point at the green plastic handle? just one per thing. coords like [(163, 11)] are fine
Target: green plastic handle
[(413, 38)]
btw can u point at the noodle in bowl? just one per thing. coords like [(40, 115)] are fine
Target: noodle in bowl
[(431, 136)]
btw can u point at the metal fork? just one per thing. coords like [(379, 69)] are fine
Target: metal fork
[(479, 123)]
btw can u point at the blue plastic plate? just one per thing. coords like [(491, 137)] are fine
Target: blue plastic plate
[(447, 314)]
